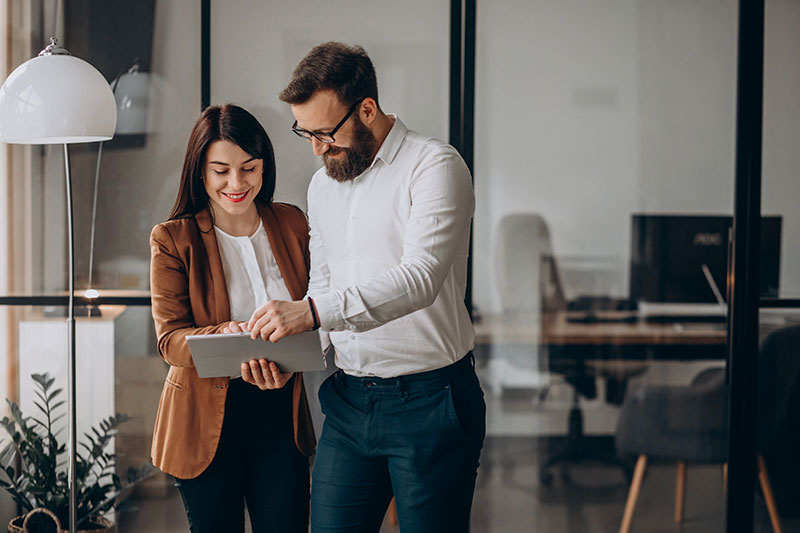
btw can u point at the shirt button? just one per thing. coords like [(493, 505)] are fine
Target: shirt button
[(352, 217), (352, 337), (351, 257)]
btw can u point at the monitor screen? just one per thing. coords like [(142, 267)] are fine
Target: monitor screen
[(668, 253)]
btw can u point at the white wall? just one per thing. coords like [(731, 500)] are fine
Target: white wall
[(556, 128), (781, 158), (587, 112)]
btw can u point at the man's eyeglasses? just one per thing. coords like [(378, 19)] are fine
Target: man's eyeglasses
[(322, 136)]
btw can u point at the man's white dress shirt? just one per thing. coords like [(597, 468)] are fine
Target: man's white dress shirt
[(389, 258)]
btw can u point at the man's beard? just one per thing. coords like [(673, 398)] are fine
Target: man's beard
[(356, 159)]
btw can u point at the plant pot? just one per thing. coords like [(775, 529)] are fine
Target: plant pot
[(101, 525)]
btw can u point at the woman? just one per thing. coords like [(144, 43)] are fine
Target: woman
[(225, 251)]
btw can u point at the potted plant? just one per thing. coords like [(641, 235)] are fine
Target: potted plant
[(39, 486)]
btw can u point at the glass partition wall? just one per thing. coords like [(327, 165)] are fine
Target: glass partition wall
[(603, 164)]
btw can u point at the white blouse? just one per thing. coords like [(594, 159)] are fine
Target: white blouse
[(251, 272)]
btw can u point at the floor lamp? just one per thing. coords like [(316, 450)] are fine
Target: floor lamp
[(56, 98)]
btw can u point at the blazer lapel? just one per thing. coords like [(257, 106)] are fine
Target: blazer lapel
[(279, 250), (209, 236)]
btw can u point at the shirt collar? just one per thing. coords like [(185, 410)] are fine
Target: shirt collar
[(391, 144)]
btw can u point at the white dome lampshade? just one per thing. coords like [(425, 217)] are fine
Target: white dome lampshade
[(56, 98)]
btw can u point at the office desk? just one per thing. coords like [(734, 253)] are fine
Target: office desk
[(637, 340)]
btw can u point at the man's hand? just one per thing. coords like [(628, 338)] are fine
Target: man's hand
[(264, 374), (278, 319)]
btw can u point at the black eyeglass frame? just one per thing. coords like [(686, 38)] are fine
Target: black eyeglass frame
[(329, 136)]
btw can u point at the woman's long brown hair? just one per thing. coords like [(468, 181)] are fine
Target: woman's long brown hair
[(227, 123)]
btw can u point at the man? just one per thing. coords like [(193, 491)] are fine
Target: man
[(389, 217)]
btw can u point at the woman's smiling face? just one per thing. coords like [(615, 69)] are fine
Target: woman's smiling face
[(232, 178)]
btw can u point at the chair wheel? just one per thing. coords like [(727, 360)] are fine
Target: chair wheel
[(546, 478)]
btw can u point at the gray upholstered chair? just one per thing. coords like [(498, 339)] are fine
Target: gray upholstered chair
[(687, 424), (778, 416)]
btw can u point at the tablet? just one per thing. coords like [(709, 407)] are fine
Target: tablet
[(222, 354)]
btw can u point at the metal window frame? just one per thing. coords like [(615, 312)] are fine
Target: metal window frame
[(743, 269)]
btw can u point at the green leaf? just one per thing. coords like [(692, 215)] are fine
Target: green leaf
[(39, 422), (41, 479), (54, 394), (41, 396), (40, 379)]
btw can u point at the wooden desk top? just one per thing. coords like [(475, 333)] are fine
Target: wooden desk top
[(521, 329)]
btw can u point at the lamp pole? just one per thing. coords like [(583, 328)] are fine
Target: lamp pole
[(71, 365), (55, 99)]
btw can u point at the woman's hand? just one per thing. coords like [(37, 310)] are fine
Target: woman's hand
[(261, 373), (235, 327), (264, 374)]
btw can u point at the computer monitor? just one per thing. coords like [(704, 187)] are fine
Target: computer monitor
[(668, 253)]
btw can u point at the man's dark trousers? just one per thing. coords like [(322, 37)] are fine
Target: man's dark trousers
[(418, 437)]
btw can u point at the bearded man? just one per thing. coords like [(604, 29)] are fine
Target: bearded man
[(389, 215)]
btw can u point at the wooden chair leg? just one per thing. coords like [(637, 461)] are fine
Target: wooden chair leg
[(633, 494), (680, 491), (391, 513), (725, 477), (769, 497)]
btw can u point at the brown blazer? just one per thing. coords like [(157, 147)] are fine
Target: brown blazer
[(190, 297)]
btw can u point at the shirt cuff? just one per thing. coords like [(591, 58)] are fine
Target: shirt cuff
[(329, 311)]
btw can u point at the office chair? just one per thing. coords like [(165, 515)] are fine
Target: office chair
[(581, 374), (582, 377), (529, 285), (689, 424), (778, 415), (522, 239)]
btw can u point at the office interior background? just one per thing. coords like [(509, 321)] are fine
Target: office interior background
[(604, 155)]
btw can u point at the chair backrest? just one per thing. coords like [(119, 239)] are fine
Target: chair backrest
[(778, 415), (709, 378), (525, 268)]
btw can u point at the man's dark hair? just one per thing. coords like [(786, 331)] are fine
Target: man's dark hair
[(346, 70)]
